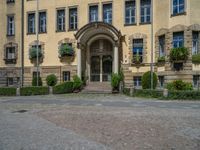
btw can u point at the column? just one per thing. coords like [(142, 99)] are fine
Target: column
[(79, 62), (116, 60), (101, 69)]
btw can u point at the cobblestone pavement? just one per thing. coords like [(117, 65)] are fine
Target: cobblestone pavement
[(98, 122)]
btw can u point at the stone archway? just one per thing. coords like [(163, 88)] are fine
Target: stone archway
[(90, 33)]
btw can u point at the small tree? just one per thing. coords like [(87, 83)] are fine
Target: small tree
[(77, 83), (34, 81), (115, 81), (51, 80), (146, 80)]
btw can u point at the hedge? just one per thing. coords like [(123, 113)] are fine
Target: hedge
[(148, 93), (66, 87), (8, 91), (28, 91), (184, 95)]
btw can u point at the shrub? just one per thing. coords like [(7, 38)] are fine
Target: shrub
[(28, 91), (115, 81), (8, 91), (196, 59), (179, 85), (33, 53), (178, 54), (146, 80), (161, 59), (184, 95), (66, 50), (34, 81), (51, 80), (66, 87), (77, 83), (148, 93)]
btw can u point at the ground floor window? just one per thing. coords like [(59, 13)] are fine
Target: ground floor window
[(10, 81), (196, 81), (161, 81), (35, 74), (66, 76), (137, 81)]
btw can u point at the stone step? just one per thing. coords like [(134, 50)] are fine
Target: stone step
[(98, 87)]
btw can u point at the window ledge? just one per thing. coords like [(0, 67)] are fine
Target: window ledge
[(145, 23), (31, 33), (178, 14), (132, 24), (72, 30), (58, 31), (42, 32), (10, 35)]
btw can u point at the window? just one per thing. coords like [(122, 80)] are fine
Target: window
[(35, 74), (10, 1), (31, 23), (10, 25), (10, 81), (93, 14), (195, 43), (178, 39), (130, 12), (10, 53), (42, 22), (137, 81), (61, 20), (73, 19), (161, 81), (107, 13), (66, 76), (162, 46), (196, 81), (138, 50), (178, 6), (145, 11)]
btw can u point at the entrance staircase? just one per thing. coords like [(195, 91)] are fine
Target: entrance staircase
[(98, 88)]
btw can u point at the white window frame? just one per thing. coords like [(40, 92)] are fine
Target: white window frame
[(60, 26), (11, 25), (130, 16), (74, 23)]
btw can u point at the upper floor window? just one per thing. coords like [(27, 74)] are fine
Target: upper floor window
[(73, 19), (31, 23), (195, 43), (107, 13), (138, 50), (178, 6), (10, 25), (178, 39), (93, 13), (42, 22), (61, 20), (10, 1), (145, 11), (130, 10), (162, 46)]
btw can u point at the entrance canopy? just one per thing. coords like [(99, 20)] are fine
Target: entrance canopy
[(95, 30)]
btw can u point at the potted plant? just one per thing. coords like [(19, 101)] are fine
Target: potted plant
[(33, 53), (161, 59), (196, 59), (115, 81), (136, 59), (66, 50)]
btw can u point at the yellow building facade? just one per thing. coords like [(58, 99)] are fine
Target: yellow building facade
[(95, 38)]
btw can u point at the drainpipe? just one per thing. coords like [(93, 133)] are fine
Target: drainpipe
[(152, 36), (22, 44)]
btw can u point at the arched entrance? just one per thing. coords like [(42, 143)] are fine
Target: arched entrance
[(101, 62), (98, 46)]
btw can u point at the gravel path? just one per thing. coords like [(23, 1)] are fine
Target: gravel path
[(24, 131)]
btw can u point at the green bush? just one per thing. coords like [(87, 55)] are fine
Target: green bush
[(28, 91), (8, 91), (34, 81), (179, 85), (196, 59), (66, 50), (77, 83), (115, 81), (126, 91), (33, 53), (148, 93), (51, 80), (161, 59), (66, 87), (146, 80), (179, 54), (183, 95)]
